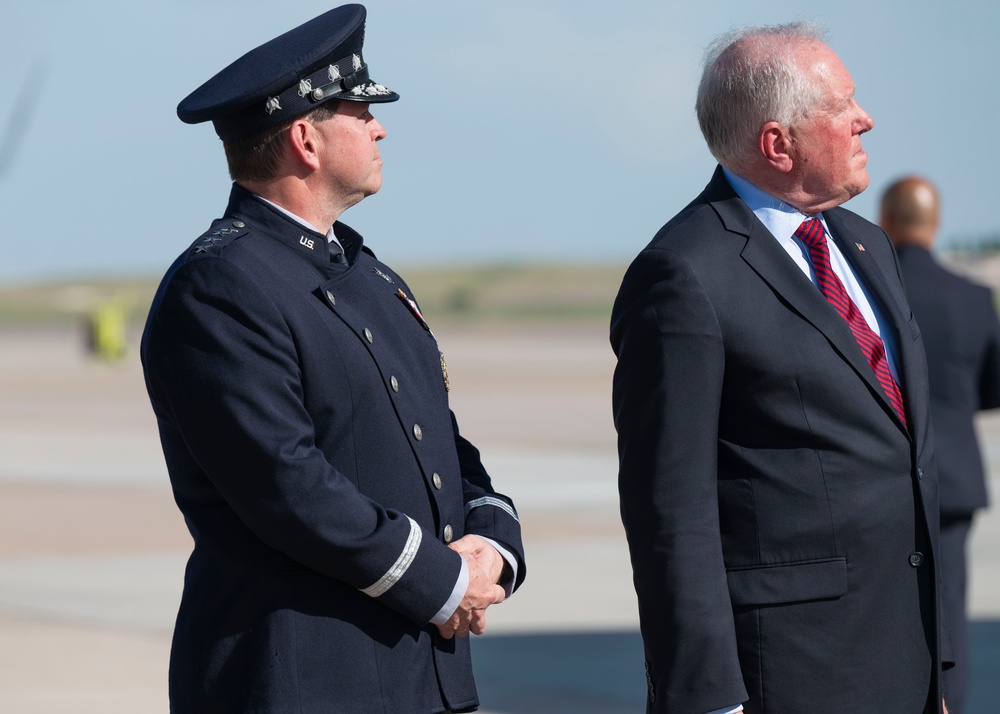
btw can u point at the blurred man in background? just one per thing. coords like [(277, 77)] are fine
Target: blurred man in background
[(962, 339)]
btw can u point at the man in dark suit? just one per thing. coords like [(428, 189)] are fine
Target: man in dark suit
[(777, 477), (346, 537), (962, 341)]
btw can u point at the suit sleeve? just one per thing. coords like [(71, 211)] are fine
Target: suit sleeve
[(488, 513), (667, 396), (989, 376), (223, 374)]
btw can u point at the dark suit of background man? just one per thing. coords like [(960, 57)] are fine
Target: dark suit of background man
[(777, 478), (962, 340), (344, 532)]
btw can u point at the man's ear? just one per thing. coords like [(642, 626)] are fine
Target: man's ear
[(775, 144), (304, 141)]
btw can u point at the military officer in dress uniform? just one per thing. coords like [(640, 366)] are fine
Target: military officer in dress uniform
[(346, 537)]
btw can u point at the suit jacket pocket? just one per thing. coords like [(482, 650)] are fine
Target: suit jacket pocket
[(779, 583)]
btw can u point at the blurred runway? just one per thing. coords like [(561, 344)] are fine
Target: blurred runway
[(92, 547)]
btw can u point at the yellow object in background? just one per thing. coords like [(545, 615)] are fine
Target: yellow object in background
[(106, 332)]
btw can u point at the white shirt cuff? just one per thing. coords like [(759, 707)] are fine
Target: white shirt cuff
[(507, 585), (727, 710), (462, 584)]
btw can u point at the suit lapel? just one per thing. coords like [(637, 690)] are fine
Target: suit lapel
[(769, 260)]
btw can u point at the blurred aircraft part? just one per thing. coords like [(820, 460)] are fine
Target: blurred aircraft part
[(22, 109)]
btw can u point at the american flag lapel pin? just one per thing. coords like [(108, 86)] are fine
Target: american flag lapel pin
[(860, 247)]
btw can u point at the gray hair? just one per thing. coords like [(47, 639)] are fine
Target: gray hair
[(751, 78)]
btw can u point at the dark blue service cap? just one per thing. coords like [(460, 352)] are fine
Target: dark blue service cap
[(288, 76)]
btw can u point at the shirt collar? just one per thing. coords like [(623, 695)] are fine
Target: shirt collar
[(330, 237), (777, 216)]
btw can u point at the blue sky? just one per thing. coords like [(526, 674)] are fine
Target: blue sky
[(547, 130)]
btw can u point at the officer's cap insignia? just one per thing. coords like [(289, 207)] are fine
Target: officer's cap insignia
[(272, 105), (370, 90)]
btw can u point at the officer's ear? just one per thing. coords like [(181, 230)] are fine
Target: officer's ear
[(304, 143)]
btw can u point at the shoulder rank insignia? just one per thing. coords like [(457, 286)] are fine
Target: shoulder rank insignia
[(221, 232)]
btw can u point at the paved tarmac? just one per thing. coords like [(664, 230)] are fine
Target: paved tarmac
[(92, 547)]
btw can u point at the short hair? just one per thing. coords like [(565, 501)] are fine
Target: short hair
[(911, 202), (751, 77), (257, 157)]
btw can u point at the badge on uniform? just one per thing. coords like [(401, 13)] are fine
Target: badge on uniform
[(415, 311), (444, 371)]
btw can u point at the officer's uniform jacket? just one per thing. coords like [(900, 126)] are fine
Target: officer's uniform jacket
[(304, 418)]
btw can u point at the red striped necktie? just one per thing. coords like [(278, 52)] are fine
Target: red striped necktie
[(811, 233)]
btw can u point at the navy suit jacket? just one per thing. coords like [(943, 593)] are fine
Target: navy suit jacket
[(962, 341), (781, 519), (305, 423)]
